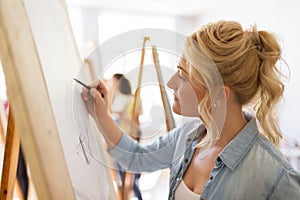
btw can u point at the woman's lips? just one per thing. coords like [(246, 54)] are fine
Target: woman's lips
[(175, 98)]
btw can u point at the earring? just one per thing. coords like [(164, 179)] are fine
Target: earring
[(214, 105)]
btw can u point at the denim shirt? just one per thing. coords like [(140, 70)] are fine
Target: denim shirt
[(249, 167)]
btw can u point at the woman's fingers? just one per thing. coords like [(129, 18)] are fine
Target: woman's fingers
[(94, 92), (102, 88), (96, 98), (85, 94)]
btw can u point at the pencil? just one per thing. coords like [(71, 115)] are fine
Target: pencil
[(84, 85), (81, 83)]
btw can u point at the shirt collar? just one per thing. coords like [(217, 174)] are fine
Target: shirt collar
[(233, 153), (196, 129), (240, 145)]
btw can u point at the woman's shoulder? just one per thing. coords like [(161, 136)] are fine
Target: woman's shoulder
[(271, 152), (267, 160), (276, 166)]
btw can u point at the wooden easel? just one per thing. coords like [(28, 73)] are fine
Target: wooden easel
[(33, 67), (10, 161), (128, 178), (168, 112)]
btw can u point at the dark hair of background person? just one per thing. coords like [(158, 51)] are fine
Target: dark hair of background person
[(124, 84)]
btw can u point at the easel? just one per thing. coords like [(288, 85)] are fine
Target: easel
[(166, 104), (10, 161), (36, 73), (127, 181)]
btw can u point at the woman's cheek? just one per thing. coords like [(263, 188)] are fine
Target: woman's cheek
[(189, 104)]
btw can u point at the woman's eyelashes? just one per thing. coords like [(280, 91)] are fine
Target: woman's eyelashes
[(180, 76)]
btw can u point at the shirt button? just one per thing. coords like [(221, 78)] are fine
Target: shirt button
[(186, 160), (211, 178), (178, 179)]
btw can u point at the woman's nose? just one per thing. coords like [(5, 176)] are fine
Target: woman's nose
[(172, 82)]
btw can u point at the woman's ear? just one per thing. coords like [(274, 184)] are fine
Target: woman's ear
[(227, 91), (224, 94)]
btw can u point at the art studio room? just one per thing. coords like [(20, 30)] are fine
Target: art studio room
[(149, 99)]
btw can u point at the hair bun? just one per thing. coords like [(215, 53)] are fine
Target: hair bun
[(266, 45)]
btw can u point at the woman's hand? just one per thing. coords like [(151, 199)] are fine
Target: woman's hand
[(98, 105), (97, 100)]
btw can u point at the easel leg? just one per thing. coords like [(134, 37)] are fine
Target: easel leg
[(11, 154), (127, 185)]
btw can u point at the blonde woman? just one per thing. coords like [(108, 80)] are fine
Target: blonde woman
[(223, 155)]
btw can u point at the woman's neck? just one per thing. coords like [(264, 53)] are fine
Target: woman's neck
[(233, 124)]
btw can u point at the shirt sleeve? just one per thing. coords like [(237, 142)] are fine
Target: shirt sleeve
[(136, 158)]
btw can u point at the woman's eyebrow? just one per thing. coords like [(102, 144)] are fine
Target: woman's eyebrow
[(181, 68)]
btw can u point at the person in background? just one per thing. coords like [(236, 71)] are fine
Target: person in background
[(224, 154), (121, 105)]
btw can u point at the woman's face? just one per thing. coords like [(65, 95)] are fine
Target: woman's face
[(186, 94)]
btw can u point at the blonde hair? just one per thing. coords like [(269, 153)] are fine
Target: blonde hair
[(246, 61)]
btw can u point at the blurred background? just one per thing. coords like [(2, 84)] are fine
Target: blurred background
[(96, 21)]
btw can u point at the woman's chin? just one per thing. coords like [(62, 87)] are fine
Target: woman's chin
[(179, 111), (176, 109), (185, 113)]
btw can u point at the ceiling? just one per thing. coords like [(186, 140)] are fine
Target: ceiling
[(170, 7)]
